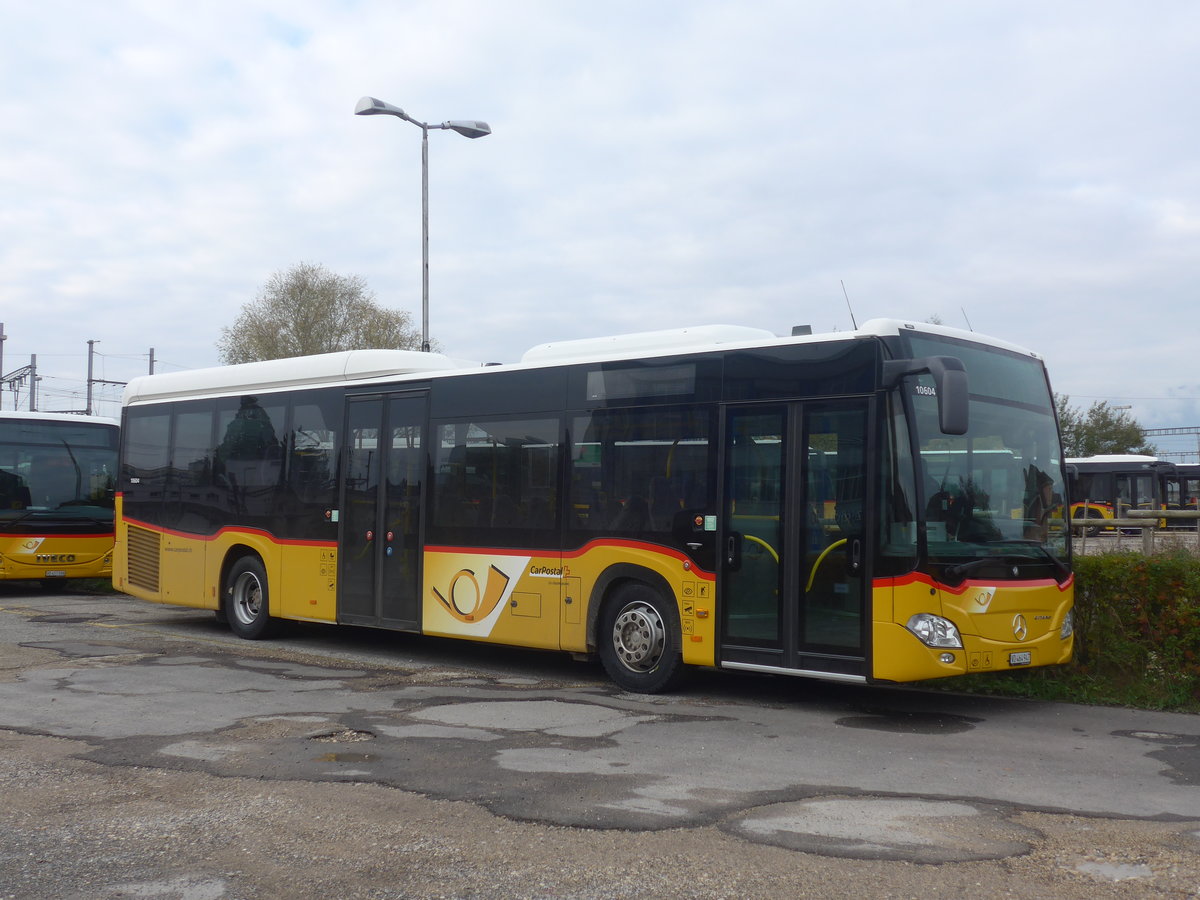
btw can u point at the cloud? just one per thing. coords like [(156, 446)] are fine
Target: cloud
[(659, 165)]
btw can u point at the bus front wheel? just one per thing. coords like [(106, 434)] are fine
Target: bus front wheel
[(246, 603), (640, 640)]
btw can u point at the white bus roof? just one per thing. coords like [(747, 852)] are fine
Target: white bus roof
[(56, 417), (349, 365), (367, 365), (674, 340), (887, 327), (1113, 458), (682, 340)]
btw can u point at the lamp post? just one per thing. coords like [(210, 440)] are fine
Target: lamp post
[(369, 106)]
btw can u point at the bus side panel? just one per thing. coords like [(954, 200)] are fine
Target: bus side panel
[(188, 570), (55, 556), (694, 591), (161, 566), (135, 571), (307, 583), (182, 581), (228, 544), (502, 597), (536, 600)]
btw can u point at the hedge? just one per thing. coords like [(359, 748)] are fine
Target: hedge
[(1137, 637)]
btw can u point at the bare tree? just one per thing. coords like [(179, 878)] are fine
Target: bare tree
[(308, 309)]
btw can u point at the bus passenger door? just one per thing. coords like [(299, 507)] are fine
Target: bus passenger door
[(834, 552), (793, 543), (382, 494), (754, 560)]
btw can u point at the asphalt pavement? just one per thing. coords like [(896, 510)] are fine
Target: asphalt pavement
[(149, 753)]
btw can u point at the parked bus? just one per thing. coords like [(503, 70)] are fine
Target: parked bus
[(1183, 492), (1107, 487), (712, 496), (57, 478)]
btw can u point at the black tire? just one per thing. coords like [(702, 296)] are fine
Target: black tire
[(246, 600), (640, 639)]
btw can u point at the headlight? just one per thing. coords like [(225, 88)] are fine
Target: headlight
[(1068, 626), (934, 631)]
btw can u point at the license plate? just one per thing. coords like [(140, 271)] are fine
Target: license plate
[(1019, 659)]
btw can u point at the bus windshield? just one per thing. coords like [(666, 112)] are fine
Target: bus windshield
[(989, 502), (51, 471)]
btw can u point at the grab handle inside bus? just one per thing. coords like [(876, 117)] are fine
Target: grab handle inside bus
[(950, 382)]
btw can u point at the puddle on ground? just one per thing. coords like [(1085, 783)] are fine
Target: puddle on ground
[(346, 757)]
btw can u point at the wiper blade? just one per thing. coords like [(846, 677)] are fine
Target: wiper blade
[(25, 514), (53, 517), (963, 569), (1063, 569)]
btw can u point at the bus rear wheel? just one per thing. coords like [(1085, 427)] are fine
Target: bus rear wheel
[(640, 640), (246, 600)]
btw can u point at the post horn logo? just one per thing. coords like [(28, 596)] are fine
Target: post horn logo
[(466, 602)]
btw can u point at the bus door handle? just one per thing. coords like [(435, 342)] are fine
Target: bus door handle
[(733, 551), (854, 557)]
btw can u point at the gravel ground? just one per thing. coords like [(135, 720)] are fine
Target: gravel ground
[(73, 829)]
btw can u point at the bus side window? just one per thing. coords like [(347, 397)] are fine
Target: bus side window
[(639, 471), (498, 479), (313, 448)]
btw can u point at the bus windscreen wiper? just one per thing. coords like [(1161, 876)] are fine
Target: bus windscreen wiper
[(6, 522), (963, 569), (1061, 567), (51, 516)]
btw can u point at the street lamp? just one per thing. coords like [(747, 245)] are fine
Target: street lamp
[(369, 106)]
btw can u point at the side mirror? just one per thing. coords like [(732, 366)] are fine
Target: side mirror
[(950, 382)]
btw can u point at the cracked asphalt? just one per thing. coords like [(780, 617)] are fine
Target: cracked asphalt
[(145, 752)]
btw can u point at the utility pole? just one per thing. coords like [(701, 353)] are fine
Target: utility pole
[(151, 360), (87, 409), (33, 380), (91, 380), (3, 338)]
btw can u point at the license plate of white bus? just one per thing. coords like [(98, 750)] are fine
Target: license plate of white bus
[(1020, 659)]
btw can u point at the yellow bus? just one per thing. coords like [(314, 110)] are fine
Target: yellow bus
[(713, 497), (1109, 486), (57, 477)]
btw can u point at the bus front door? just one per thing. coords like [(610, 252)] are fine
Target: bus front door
[(382, 494), (793, 555)]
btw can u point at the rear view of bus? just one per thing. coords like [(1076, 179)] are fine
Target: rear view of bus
[(57, 474)]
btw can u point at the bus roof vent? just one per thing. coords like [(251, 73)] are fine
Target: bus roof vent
[(672, 340)]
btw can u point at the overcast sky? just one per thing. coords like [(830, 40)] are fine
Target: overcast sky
[(1028, 168)]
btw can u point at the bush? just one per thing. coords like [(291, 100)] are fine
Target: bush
[(1137, 637)]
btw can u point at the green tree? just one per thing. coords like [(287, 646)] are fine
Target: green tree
[(307, 309), (1103, 429)]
